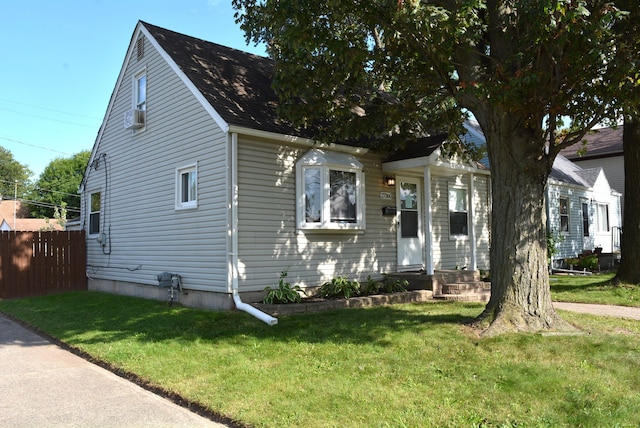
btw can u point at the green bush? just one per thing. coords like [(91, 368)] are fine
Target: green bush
[(589, 262), (370, 287), (339, 287), (394, 286), (285, 293)]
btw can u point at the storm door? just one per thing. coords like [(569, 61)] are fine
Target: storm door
[(410, 236)]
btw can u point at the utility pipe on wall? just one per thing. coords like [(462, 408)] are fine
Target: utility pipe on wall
[(240, 305)]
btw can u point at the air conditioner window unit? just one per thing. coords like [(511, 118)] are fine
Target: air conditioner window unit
[(134, 119)]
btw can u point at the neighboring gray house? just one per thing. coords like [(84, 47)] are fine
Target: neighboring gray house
[(583, 209), (193, 173), (584, 212), (602, 148)]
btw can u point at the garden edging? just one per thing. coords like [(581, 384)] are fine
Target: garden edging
[(353, 302)]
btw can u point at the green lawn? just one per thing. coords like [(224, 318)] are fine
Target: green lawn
[(413, 365), (596, 288)]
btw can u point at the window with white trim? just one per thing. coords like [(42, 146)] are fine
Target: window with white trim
[(602, 217), (564, 214), (458, 212), (330, 191), (187, 187), (95, 206), (585, 219), (140, 91)]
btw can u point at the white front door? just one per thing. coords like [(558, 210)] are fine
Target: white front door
[(410, 236)]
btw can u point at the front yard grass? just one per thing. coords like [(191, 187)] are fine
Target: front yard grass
[(597, 288), (398, 366)]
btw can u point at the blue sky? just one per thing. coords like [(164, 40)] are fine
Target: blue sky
[(59, 61)]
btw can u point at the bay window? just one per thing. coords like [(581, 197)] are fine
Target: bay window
[(330, 191)]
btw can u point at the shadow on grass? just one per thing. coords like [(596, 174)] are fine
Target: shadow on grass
[(573, 284), (89, 317)]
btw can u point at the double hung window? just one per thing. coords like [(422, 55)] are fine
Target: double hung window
[(94, 213), (564, 215), (602, 217), (141, 91), (458, 212), (585, 219)]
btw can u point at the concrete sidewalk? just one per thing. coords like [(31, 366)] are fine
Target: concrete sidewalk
[(42, 385), (605, 310)]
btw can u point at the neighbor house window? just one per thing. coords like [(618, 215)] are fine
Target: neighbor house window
[(94, 213), (187, 187), (585, 219), (458, 212), (330, 188), (602, 217), (564, 215)]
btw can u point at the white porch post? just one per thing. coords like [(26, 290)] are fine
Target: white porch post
[(472, 222), (428, 223)]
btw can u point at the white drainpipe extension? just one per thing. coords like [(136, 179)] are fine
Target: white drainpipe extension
[(240, 305)]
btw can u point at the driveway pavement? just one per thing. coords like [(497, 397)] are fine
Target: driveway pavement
[(42, 385)]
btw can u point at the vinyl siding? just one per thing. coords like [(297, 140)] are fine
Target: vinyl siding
[(267, 237), (482, 213), (138, 184), (572, 242), (455, 252)]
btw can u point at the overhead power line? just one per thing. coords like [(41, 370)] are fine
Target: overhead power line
[(48, 118), (49, 109), (42, 204), (41, 189), (33, 145)]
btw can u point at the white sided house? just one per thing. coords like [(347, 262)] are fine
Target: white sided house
[(583, 212), (194, 174)]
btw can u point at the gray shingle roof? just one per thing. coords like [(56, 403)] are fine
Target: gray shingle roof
[(603, 142), (568, 172)]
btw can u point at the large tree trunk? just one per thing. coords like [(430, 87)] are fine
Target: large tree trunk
[(520, 294), (629, 271)]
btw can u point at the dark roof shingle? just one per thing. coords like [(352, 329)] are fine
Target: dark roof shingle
[(603, 142), (237, 84)]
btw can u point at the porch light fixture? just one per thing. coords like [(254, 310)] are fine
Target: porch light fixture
[(390, 181)]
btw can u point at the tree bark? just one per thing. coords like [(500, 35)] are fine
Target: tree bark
[(629, 271), (520, 294)]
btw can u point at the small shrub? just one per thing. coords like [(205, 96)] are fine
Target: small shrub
[(589, 262), (370, 287), (573, 261), (395, 286), (285, 293), (339, 287)]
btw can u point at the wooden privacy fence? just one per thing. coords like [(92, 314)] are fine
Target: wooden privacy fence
[(36, 263)]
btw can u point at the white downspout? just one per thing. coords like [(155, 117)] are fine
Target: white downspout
[(240, 305)]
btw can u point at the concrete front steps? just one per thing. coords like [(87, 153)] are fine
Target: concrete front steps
[(457, 285)]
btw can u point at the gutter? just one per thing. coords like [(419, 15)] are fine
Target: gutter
[(299, 141), (240, 305)]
